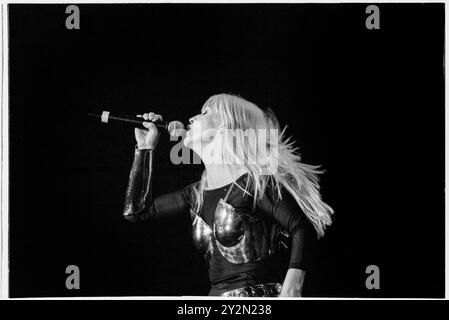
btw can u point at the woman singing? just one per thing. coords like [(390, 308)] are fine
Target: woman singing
[(254, 198)]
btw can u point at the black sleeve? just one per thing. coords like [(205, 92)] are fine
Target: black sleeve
[(139, 203), (288, 214)]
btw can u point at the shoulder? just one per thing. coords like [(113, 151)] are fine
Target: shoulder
[(276, 195), (268, 194), (271, 189)]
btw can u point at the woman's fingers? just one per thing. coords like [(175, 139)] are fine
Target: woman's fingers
[(154, 117), (151, 116), (150, 126)]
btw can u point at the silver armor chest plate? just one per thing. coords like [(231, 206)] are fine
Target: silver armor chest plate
[(239, 237)]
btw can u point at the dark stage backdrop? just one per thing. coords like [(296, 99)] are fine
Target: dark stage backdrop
[(366, 104)]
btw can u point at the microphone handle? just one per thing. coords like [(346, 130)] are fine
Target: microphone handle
[(124, 119)]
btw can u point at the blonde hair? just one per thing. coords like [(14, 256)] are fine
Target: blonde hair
[(284, 165)]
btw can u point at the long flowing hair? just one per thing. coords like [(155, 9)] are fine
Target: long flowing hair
[(279, 164)]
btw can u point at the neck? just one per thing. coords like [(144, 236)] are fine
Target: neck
[(219, 175)]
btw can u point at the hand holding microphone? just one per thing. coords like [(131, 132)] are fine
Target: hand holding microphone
[(147, 139)]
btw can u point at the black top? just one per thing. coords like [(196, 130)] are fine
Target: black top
[(285, 211)]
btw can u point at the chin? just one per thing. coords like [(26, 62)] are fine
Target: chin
[(187, 142)]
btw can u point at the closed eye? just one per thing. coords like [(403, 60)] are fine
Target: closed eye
[(205, 110)]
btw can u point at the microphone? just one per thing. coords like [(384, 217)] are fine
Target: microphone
[(107, 117)]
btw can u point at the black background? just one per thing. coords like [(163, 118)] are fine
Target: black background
[(366, 104)]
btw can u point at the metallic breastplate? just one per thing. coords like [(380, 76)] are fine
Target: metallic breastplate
[(240, 238)]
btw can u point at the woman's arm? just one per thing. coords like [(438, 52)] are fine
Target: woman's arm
[(294, 279), (293, 282), (139, 202), (289, 215)]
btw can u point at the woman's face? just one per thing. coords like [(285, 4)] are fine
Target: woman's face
[(202, 128)]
